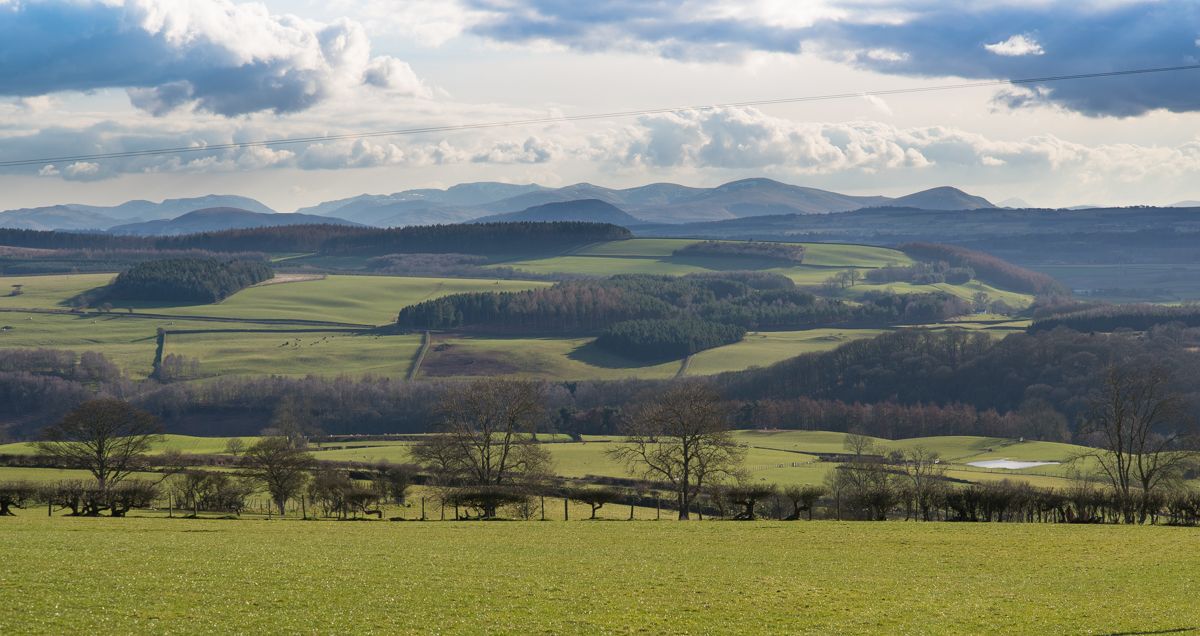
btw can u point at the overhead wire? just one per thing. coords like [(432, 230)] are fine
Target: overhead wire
[(550, 119)]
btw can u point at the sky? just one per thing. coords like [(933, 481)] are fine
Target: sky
[(81, 77)]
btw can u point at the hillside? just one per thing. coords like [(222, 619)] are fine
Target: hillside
[(588, 210), (944, 198), (221, 219), (77, 217)]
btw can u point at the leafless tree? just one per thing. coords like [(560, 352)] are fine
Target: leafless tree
[(1137, 424), (485, 439), (681, 438), (924, 474), (235, 446), (280, 466), (108, 438), (859, 444)]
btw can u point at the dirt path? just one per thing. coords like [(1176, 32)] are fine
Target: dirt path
[(426, 341)]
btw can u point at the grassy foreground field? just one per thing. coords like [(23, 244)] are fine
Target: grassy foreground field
[(67, 576)]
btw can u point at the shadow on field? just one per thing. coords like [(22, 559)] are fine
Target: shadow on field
[(597, 357)]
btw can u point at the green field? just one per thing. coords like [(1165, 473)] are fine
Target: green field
[(188, 576), (129, 340)]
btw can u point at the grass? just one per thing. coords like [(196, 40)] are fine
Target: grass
[(298, 354), (190, 576), (48, 292), (549, 358), (768, 347)]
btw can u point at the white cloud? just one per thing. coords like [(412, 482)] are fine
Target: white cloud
[(1016, 46), (213, 55)]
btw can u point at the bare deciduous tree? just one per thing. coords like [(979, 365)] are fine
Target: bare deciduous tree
[(681, 438), (925, 474), (280, 466), (1136, 422), (486, 438), (858, 444), (106, 437)]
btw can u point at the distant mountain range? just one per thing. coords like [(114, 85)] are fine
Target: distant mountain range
[(592, 210), (657, 203), (77, 217), (217, 219), (654, 203)]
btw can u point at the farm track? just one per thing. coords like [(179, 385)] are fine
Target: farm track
[(426, 341), (683, 367)]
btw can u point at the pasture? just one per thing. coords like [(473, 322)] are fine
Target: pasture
[(212, 576), (231, 341)]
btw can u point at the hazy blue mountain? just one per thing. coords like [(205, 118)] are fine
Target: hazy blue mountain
[(943, 198), (420, 207), (1185, 204), (217, 219), (55, 217), (1016, 203), (170, 208), (591, 210)]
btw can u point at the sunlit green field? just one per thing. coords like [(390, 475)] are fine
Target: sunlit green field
[(69, 576), (129, 341)]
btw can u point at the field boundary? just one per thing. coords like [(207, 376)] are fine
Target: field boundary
[(426, 341), (156, 316)]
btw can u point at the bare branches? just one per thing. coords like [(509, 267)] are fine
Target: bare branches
[(683, 439), (108, 438)]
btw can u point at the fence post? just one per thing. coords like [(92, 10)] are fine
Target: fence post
[(303, 509), (422, 508), (658, 507), (170, 506), (543, 507), (631, 512), (566, 509)]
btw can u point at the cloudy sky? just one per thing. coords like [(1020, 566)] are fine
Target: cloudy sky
[(94, 76)]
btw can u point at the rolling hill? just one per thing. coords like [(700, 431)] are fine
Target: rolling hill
[(590, 210), (655, 202), (217, 219), (74, 216)]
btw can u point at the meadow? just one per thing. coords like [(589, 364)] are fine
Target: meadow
[(105, 575), (231, 339)]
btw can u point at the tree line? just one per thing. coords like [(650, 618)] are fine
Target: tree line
[(473, 238), (195, 280), (484, 456), (666, 339), (1107, 318), (921, 273), (758, 302), (988, 268)]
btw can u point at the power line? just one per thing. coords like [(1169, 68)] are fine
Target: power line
[(590, 116)]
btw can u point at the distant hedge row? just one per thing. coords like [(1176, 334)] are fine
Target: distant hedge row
[(198, 280)]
